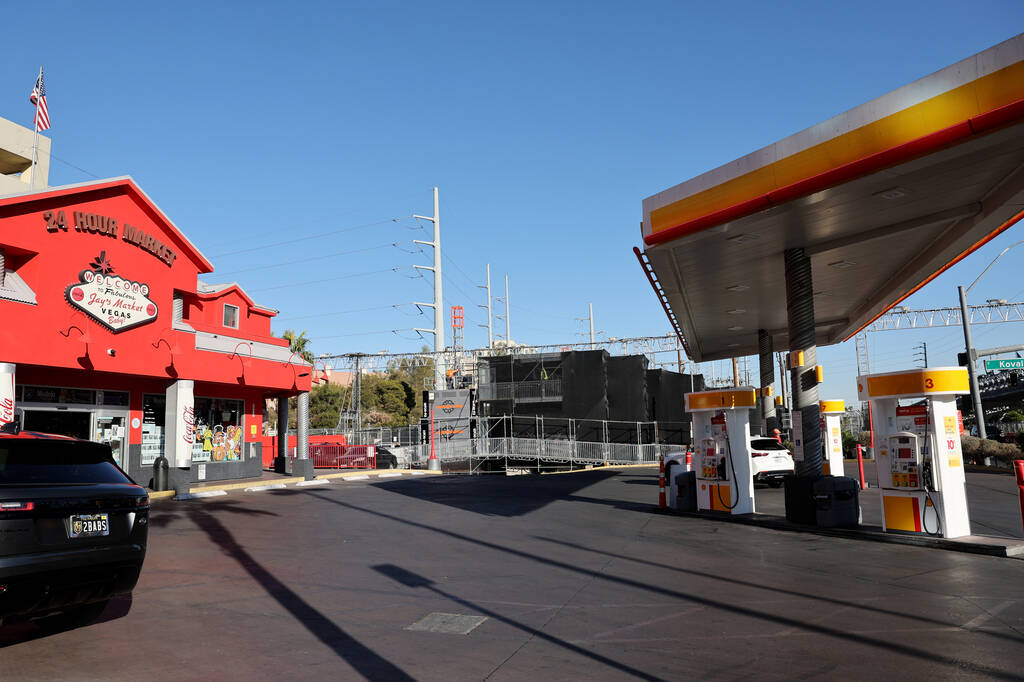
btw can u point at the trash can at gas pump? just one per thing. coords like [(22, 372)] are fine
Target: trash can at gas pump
[(836, 502)]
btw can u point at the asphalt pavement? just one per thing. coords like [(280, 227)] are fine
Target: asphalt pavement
[(528, 577)]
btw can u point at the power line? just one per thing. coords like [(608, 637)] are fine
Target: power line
[(312, 258), (329, 279), (307, 238), (77, 168), (345, 312)]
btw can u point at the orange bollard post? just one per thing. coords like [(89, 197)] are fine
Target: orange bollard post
[(661, 482), (860, 464)]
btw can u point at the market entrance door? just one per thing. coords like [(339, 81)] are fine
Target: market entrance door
[(112, 430)]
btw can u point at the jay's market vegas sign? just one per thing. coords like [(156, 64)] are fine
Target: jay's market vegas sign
[(116, 303)]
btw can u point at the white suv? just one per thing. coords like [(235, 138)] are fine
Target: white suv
[(770, 460)]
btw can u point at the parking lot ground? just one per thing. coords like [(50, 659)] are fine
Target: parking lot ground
[(568, 577)]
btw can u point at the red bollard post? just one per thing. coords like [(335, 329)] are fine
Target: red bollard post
[(860, 465), (1018, 469), (661, 483)]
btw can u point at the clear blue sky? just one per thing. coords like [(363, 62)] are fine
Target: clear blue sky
[(543, 123)]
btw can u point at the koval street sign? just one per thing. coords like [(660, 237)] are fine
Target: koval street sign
[(1004, 364)]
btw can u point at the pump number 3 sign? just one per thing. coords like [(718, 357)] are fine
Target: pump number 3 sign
[(116, 303)]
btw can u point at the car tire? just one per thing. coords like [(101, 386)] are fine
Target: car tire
[(775, 483)]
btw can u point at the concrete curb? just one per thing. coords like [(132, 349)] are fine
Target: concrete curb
[(1010, 548), (200, 492)]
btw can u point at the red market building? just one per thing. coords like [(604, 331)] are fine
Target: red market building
[(108, 334)]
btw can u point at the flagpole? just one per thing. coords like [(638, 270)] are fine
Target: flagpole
[(35, 139)]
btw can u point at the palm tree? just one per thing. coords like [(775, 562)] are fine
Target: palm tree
[(297, 344)]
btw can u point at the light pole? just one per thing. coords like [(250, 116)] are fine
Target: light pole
[(979, 415)]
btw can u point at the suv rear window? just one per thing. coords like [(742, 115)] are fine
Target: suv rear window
[(766, 444), (32, 461)]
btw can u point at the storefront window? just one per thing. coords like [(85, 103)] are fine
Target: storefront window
[(218, 436), (152, 427), (68, 396)]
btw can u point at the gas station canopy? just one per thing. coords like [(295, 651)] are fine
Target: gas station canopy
[(881, 198)]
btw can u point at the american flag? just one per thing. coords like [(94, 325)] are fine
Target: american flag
[(38, 98)]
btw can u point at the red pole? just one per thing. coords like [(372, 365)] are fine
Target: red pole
[(1018, 469), (860, 465), (871, 427), (661, 482)]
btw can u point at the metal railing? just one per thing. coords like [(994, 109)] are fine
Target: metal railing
[(522, 390), (343, 456), (542, 452)]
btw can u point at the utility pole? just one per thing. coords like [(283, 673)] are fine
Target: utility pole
[(923, 354), (438, 304), (590, 307), (972, 373), (490, 328)]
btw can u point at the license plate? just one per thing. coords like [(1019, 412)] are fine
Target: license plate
[(89, 525)]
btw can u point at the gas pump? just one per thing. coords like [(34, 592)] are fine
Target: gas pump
[(832, 436), (721, 430), (919, 457)]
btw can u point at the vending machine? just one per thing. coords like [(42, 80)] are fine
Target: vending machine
[(832, 436), (721, 459), (918, 454)]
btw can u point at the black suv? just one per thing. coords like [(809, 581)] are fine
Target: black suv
[(73, 528)]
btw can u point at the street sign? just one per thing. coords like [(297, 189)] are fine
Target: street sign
[(1004, 364)]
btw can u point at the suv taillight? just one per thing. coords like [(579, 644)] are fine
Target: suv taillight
[(758, 454), (142, 501), (16, 506)]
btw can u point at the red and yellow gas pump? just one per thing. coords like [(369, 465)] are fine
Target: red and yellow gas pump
[(919, 457), (721, 433)]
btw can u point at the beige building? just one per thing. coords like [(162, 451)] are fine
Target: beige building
[(16, 159)]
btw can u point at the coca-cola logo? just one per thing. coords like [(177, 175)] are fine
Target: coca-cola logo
[(188, 417), (6, 410)]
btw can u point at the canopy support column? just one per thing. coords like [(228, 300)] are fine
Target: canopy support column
[(800, 312), (766, 403), (281, 460)]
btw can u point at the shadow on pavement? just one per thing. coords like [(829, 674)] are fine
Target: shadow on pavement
[(957, 663), (163, 516), (28, 630), (779, 590), (489, 495), (363, 659), (410, 579)]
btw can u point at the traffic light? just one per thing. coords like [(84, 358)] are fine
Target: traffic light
[(1014, 379), (961, 358)]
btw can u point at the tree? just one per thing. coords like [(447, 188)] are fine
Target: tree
[(325, 403), (298, 344)]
